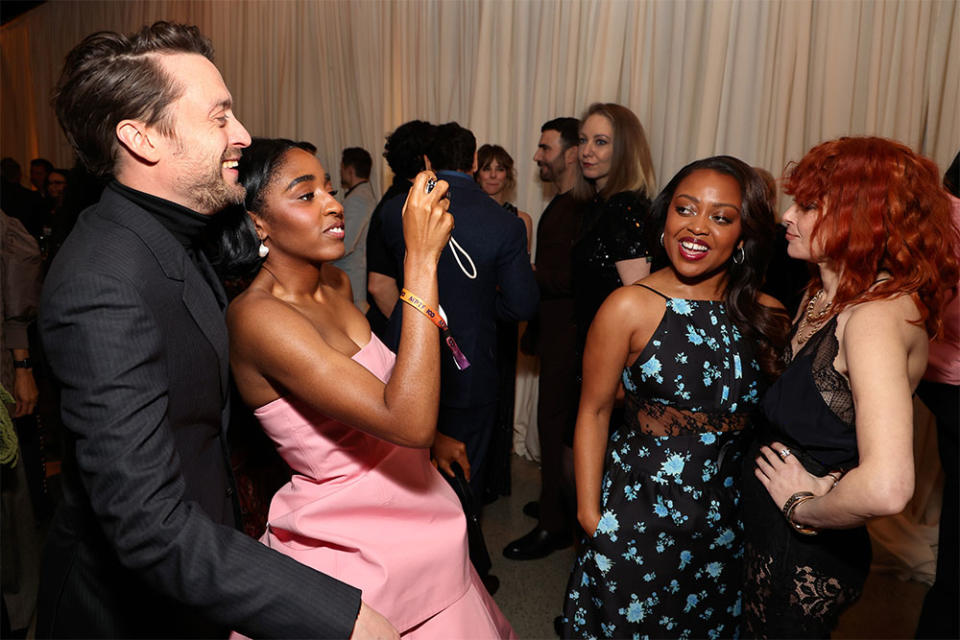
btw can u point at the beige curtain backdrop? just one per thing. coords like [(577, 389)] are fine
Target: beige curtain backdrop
[(760, 79)]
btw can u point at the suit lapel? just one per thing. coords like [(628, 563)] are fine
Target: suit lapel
[(203, 304), (204, 301)]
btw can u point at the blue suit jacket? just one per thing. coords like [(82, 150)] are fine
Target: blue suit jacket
[(503, 289)]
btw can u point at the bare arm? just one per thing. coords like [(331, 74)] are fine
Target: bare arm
[(620, 330), (632, 270), (282, 345), (384, 290), (883, 355)]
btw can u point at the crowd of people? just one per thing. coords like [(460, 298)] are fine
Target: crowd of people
[(712, 450)]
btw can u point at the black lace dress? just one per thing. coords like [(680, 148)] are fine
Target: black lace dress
[(797, 586), (664, 561)]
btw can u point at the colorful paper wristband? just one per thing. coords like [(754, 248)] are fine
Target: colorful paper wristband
[(458, 358)]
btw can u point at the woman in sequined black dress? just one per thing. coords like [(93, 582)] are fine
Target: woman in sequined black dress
[(693, 345), (616, 183), (837, 451)]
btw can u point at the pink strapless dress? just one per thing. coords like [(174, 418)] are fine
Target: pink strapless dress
[(377, 516)]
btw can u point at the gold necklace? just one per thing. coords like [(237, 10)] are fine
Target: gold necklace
[(814, 320)]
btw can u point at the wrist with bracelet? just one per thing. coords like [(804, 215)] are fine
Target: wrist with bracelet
[(437, 318), (791, 505), (26, 363)]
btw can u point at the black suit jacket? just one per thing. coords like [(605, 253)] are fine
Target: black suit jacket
[(504, 288), (145, 543)]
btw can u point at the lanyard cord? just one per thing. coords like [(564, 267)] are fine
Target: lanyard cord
[(455, 246)]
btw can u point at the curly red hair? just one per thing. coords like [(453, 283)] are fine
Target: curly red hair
[(882, 209)]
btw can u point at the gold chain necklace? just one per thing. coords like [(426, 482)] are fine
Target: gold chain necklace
[(814, 320)]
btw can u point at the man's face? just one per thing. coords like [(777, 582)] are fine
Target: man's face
[(346, 176), (201, 166), (549, 156), (38, 175)]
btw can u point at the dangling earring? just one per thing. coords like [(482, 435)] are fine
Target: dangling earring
[(661, 240), (263, 250), (739, 257)]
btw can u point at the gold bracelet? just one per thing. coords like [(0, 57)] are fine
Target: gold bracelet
[(791, 504)]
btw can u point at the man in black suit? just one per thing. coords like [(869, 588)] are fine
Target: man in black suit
[(502, 286), (556, 344), (132, 318)]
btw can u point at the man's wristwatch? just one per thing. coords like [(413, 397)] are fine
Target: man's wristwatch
[(26, 363)]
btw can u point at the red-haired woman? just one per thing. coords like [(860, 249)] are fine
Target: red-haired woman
[(871, 216)]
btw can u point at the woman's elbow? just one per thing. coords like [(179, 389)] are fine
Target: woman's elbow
[(419, 434), (892, 497)]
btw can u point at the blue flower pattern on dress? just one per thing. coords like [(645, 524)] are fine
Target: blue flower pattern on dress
[(665, 558)]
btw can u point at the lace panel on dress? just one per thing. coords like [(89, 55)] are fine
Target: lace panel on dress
[(809, 602), (658, 419), (832, 386)]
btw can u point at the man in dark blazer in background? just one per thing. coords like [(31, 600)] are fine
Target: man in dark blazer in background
[(132, 318), (504, 288), (555, 342)]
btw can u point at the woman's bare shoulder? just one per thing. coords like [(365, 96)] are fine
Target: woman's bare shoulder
[(881, 324), (769, 301), (895, 309), (258, 310)]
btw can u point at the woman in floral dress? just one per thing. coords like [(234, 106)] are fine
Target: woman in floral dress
[(693, 345)]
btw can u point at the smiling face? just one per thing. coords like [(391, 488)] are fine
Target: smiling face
[(800, 222), (201, 165), (596, 148), (300, 218), (492, 177), (703, 224)]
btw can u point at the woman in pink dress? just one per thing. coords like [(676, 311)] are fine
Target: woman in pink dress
[(353, 421)]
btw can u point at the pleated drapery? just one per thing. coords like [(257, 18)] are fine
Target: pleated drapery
[(763, 80), (760, 79)]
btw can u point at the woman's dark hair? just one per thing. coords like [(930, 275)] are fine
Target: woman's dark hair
[(234, 242), (766, 326), (406, 146)]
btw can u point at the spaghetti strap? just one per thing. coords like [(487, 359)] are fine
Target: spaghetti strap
[(637, 284)]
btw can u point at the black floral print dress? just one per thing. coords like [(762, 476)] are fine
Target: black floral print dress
[(665, 559)]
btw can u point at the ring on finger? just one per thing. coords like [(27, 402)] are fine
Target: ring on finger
[(431, 183), (784, 453)]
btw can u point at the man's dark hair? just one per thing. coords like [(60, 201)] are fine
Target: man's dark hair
[(359, 159), (42, 162), (453, 148), (10, 170), (406, 147), (308, 146), (111, 77), (568, 128)]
